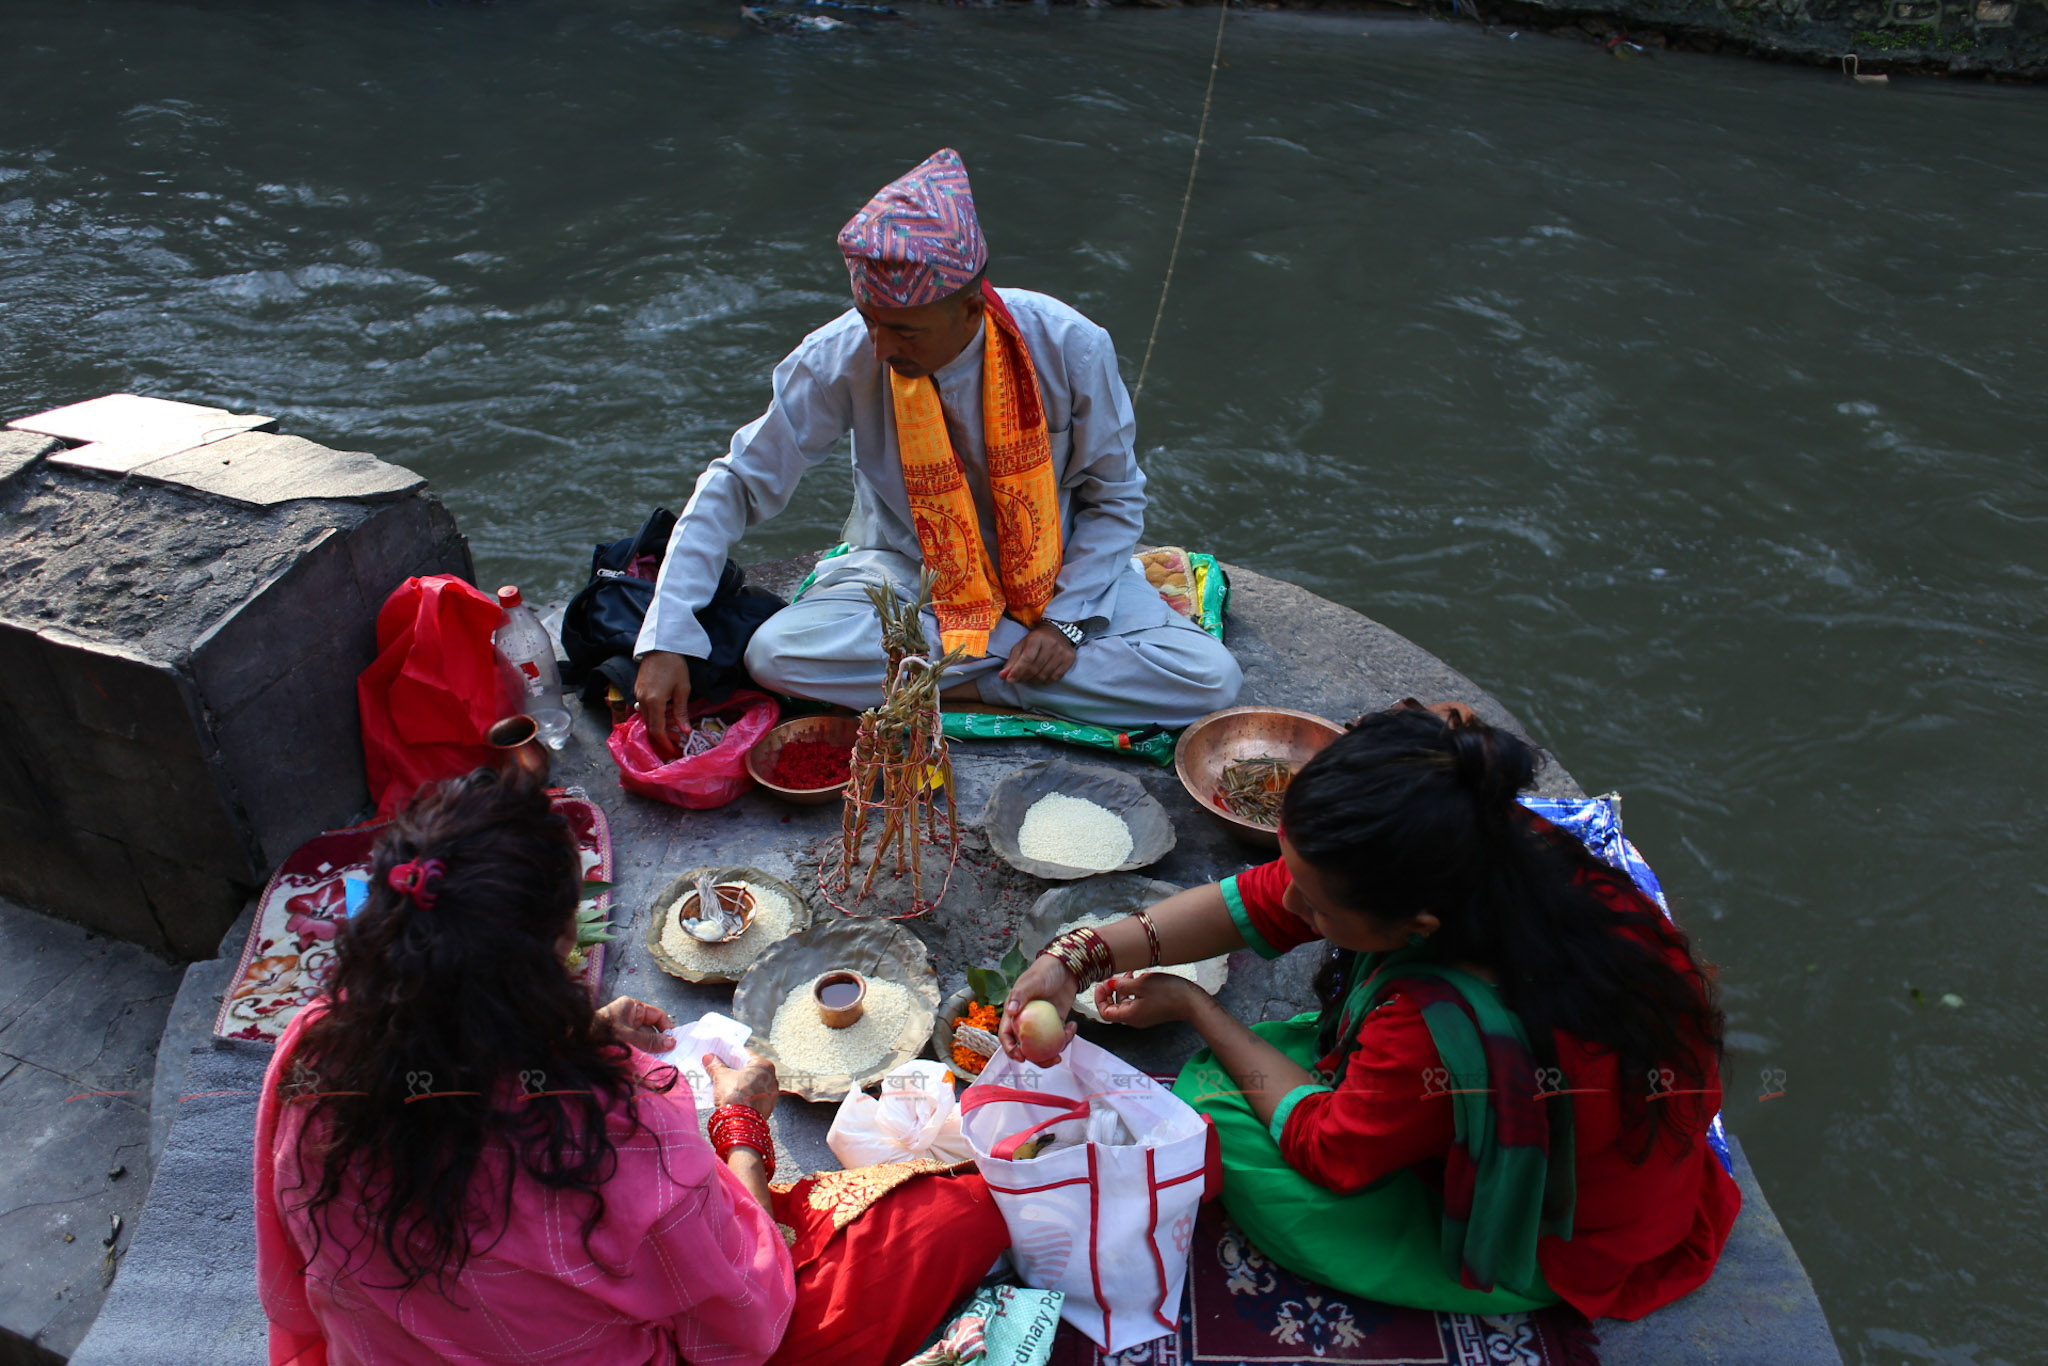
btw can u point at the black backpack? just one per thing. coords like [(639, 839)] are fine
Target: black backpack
[(601, 626)]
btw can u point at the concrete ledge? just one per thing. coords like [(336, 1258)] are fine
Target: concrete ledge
[(188, 1295), (262, 470), (1758, 1310), (21, 452), (188, 1291), (80, 1021)]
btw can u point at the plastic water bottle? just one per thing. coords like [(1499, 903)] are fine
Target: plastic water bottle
[(524, 642)]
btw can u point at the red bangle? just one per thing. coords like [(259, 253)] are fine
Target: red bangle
[(741, 1126), (1084, 954), (1151, 937)]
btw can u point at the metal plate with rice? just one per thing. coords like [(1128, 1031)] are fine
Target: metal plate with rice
[(1151, 830), (1105, 898), (665, 906), (878, 950)]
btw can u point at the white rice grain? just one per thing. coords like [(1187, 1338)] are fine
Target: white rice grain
[(773, 918), (1075, 833), (804, 1042)]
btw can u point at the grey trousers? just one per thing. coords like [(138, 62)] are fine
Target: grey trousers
[(1151, 667)]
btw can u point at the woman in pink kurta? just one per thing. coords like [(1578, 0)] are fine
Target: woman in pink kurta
[(686, 1265), (458, 1160)]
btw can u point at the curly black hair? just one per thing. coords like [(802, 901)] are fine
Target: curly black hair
[(444, 1007)]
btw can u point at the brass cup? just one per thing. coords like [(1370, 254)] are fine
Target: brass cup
[(839, 1017), (516, 747)]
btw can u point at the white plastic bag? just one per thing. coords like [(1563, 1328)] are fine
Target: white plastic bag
[(917, 1116), (723, 1037), (1104, 1210)]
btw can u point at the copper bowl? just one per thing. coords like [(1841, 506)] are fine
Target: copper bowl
[(837, 730), (1223, 738), (733, 899)]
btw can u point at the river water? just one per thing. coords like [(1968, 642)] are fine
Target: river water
[(1694, 406)]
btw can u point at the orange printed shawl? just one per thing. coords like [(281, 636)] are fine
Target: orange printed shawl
[(970, 595)]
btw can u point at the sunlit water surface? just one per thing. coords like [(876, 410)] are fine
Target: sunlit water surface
[(1693, 406)]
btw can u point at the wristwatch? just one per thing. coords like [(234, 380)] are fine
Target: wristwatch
[(1074, 634)]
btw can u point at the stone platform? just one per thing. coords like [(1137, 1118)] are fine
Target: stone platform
[(186, 1290)]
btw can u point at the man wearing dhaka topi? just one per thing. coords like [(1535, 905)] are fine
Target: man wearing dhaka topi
[(992, 442)]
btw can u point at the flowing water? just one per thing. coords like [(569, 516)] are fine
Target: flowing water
[(1694, 406)]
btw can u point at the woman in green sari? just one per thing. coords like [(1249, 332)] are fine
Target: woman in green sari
[(1504, 1099)]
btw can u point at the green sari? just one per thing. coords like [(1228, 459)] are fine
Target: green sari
[(1470, 1248)]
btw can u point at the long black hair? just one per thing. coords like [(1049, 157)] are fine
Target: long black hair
[(1408, 812), (449, 1012)]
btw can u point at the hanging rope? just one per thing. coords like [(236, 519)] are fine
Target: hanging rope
[(1201, 132)]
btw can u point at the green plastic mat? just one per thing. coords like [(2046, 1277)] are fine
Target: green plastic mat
[(1148, 742), (1153, 743)]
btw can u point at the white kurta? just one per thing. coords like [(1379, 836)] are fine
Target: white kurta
[(1143, 663)]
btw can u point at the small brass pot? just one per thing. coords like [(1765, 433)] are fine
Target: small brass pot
[(839, 1017)]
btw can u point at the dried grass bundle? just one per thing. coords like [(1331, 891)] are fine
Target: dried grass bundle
[(900, 765)]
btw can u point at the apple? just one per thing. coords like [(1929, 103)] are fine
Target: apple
[(1043, 1032)]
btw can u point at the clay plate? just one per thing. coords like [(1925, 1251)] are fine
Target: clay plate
[(873, 948), (664, 909), (1151, 831)]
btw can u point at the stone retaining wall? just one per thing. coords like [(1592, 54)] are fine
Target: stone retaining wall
[(179, 644), (1990, 39)]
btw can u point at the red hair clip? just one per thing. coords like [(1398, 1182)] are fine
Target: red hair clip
[(416, 878)]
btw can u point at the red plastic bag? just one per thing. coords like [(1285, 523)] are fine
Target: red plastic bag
[(434, 689), (706, 780)]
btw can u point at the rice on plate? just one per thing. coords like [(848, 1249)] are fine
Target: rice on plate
[(801, 1038), (1075, 832)]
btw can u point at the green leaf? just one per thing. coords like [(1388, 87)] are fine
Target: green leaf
[(1919, 997), (1013, 963), (592, 887), (988, 985), (592, 926)]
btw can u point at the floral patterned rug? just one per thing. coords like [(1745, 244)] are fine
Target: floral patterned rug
[(1244, 1311), (291, 942)]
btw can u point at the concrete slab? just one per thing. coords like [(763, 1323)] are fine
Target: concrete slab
[(178, 671), (23, 451), (189, 1029), (125, 431), (80, 1020), (262, 470), (187, 1293)]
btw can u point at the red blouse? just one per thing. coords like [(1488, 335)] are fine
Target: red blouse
[(1643, 1234)]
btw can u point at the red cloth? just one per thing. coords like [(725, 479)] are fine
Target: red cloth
[(434, 689), (1643, 1234), (871, 1293)]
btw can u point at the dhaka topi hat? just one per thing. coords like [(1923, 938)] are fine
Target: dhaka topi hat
[(918, 240)]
